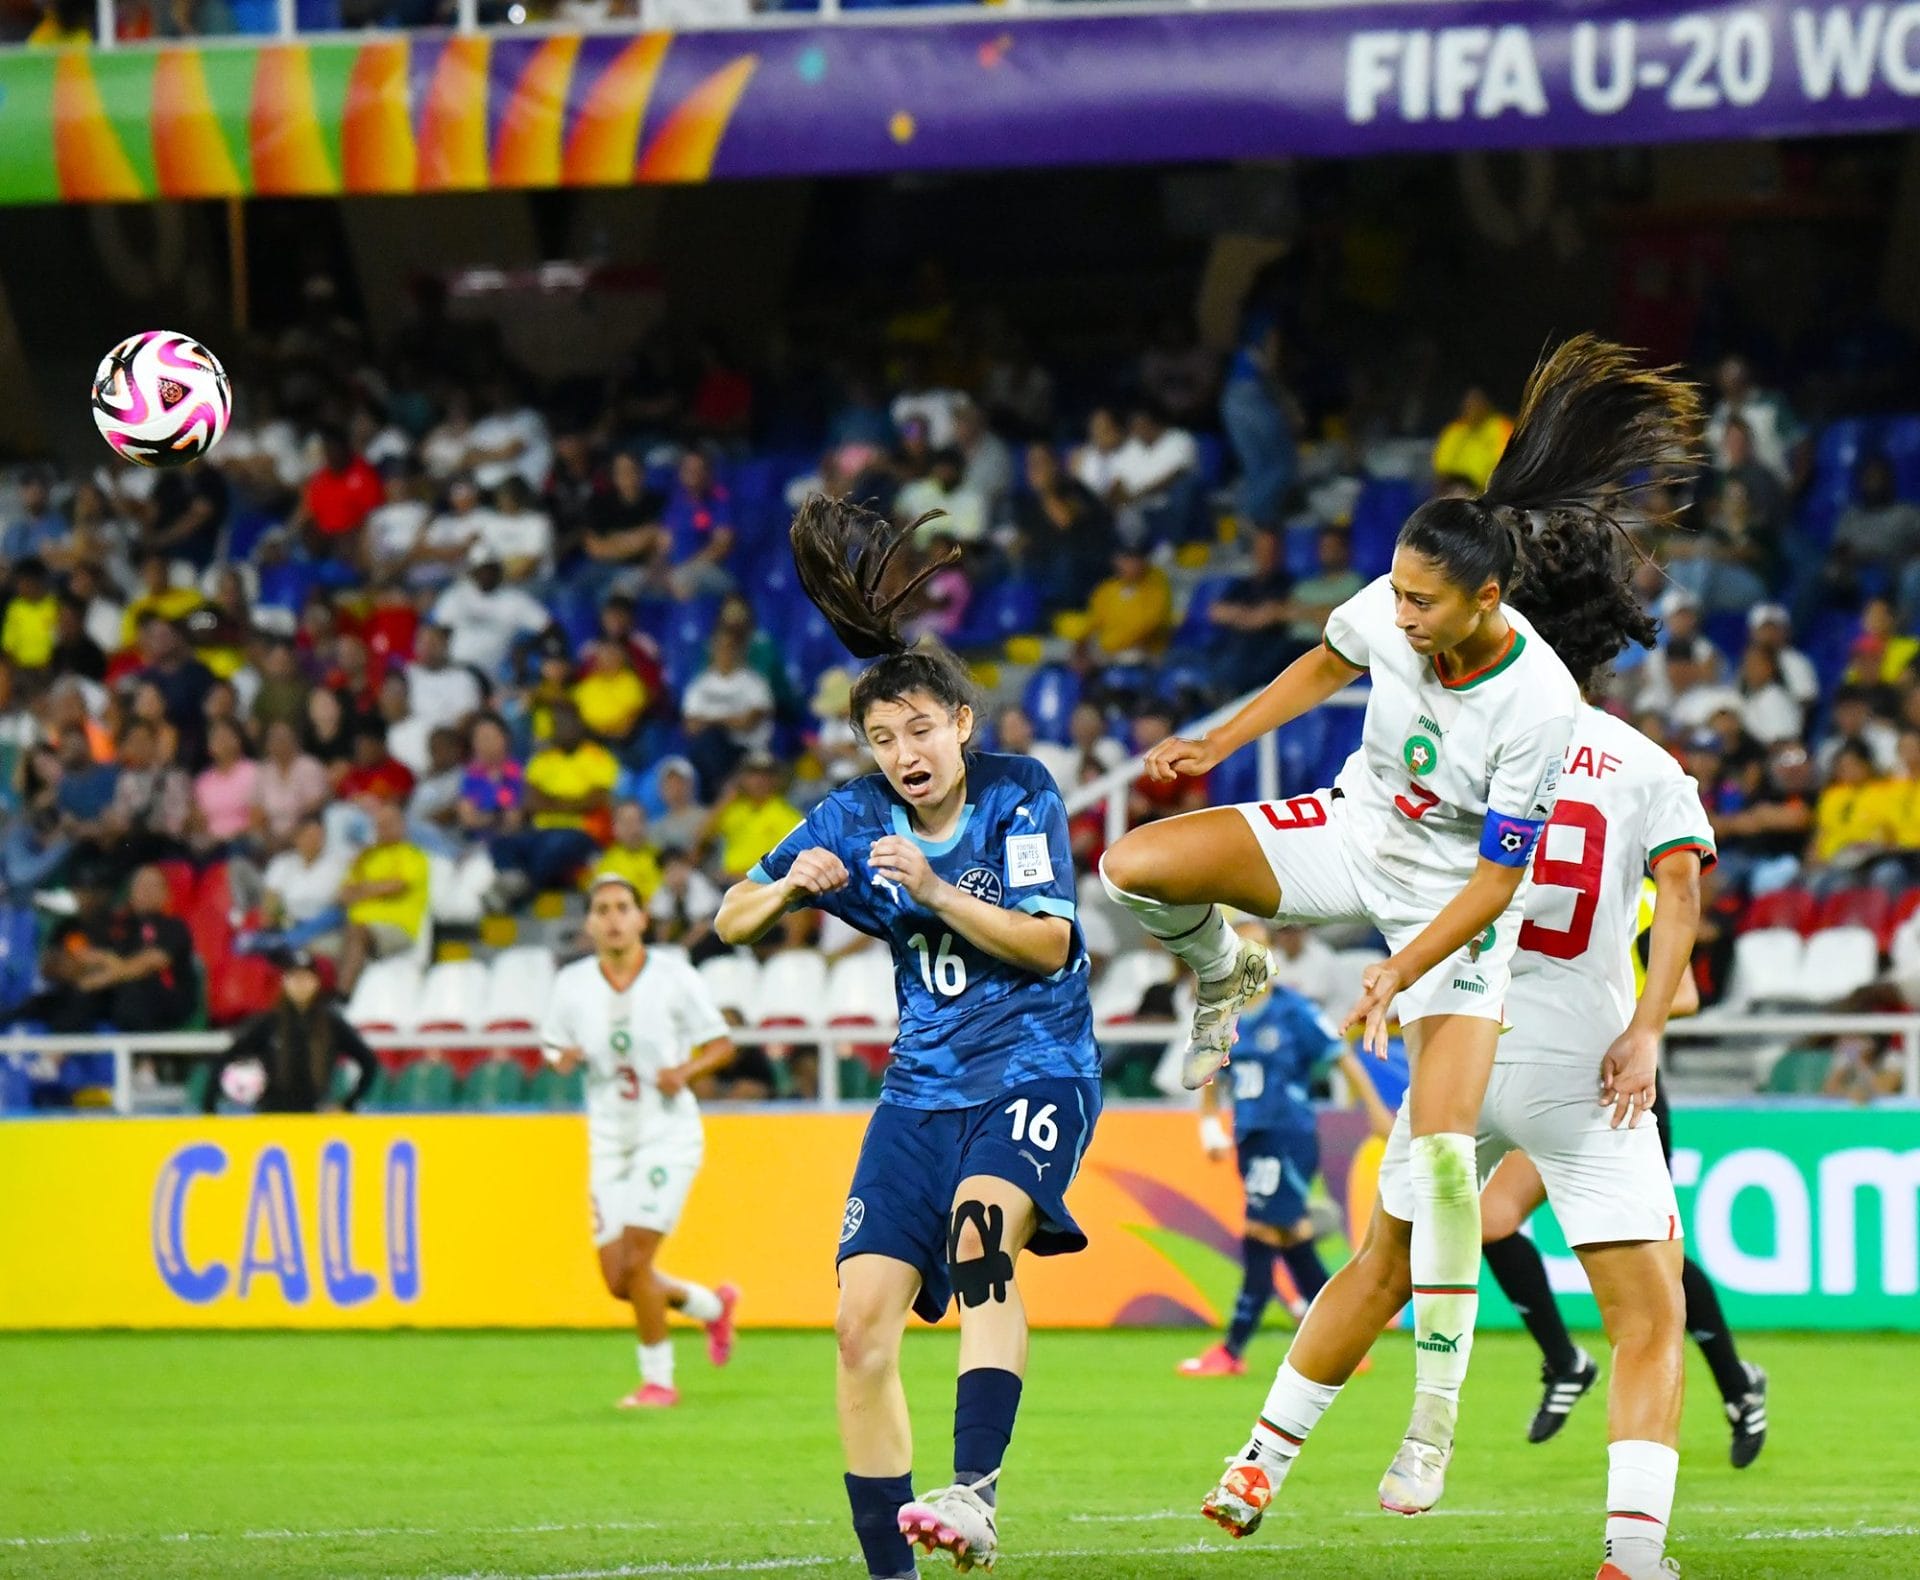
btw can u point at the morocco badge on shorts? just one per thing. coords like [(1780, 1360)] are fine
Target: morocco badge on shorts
[(1419, 754)]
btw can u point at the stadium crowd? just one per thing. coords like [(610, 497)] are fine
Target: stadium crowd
[(417, 650)]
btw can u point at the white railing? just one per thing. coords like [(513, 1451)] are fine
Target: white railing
[(1711, 1027)]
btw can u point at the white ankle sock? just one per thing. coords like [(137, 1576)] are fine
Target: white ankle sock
[(1640, 1477), (1197, 934), (1294, 1404), (656, 1363), (698, 1302), (1445, 1258)]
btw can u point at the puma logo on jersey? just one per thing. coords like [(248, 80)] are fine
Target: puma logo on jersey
[(1039, 1168), (1025, 812)]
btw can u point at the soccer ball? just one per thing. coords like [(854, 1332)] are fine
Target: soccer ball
[(244, 1082), (161, 399)]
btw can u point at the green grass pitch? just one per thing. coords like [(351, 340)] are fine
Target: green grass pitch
[(501, 1455)]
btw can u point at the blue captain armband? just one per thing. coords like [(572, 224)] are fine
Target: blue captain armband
[(1509, 840)]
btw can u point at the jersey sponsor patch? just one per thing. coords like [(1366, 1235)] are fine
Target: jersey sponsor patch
[(1028, 862), (983, 883)]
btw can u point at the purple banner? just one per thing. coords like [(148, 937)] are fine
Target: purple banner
[(436, 113)]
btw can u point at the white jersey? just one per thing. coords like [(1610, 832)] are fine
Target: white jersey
[(627, 1039), (1624, 805), (1449, 770)]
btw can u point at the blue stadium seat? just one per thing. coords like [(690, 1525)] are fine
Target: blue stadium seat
[(1051, 696), (1196, 625), (1900, 439), (19, 955), (1378, 514), (1010, 609), (1303, 549), (1212, 450), (1235, 780), (16, 1084), (1841, 444)]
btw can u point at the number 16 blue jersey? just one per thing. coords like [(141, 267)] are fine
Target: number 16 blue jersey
[(971, 1025)]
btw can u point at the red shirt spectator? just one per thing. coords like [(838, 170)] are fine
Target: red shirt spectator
[(341, 495), (375, 772)]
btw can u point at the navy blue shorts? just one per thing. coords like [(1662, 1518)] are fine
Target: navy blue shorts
[(913, 1159), (1277, 1169)]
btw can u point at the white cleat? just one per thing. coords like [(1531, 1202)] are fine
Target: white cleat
[(1418, 1475), (1239, 1500), (1217, 1011), (956, 1521)]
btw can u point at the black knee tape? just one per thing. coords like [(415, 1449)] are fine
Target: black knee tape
[(988, 1275)]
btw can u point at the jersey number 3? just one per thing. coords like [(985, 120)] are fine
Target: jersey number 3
[(943, 972), (1582, 876)]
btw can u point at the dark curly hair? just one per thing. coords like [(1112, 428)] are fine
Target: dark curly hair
[(845, 555), (1592, 426)]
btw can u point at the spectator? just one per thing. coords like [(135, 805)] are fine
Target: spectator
[(1853, 719), (433, 814), (1853, 819), (336, 502), (1770, 628), (440, 692), (397, 530), (572, 489), (1262, 424), (152, 804), (962, 513), (1066, 535), (1881, 530), (449, 539), (185, 514), (32, 627), (132, 969), (752, 817), (616, 625), (699, 523), (354, 674), (1760, 843), (376, 775), (1778, 438), (1016, 389), (291, 786), (721, 406), (631, 855), (1742, 509), (181, 679), (609, 694), (1096, 464), (300, 906), (840, 750), (520, 533), (923, 400), (149, 707), (728, 710), (946, 595), (1471, 445), (224, 794), (1683, 661), (987, 462), (106, 619), (569, 785), (1157, 478), (762, 653), (1768, 710), (406, 732), (444, 450), (1882, 654), (385, 896), (510, 441), (1147, 799), (493, 789), (1131, 615), (158, 599), (680, 826), (623, 535), (1303, 961), (327, 732), (35, 530), (298, 1043), (1323, 592), (487, 617), (1177, 373), (683, 907), (1253, 620)]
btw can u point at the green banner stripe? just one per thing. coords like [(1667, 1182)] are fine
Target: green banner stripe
[(125, 77), (230, 75), (28, 173)]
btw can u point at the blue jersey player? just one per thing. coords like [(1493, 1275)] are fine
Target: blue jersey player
[(960, 862), (1284, 1043)]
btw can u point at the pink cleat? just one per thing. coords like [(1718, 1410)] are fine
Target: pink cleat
[(1217, 1362), (720, 1330), (650, 1396)]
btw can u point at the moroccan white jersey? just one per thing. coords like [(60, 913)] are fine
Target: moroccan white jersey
[(626, 1040), (1624, 806), (1449, 769)]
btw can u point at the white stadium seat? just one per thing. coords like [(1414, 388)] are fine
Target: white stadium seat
[(1125, 982), (1766, 965), (1838, 960), (387, 995), (734, 982), (860, 988), (518, 983), (793, 988), (453, 995)]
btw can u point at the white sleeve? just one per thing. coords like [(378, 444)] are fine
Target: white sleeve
[(1677, 821), (1525, 779), (556, 1026), (1347, 634), (696, 1017)]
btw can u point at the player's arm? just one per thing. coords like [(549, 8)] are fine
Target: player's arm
[(1215, 1138), (1630, 1071), (709, 1058), (1299, 688), (1379, 1116), (1034, 942), (753, 907)]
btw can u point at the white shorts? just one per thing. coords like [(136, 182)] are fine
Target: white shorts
[(1605, 1185), (643, 1189), (1323, 880)]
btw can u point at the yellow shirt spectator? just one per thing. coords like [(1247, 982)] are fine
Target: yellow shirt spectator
[(610, 702), (571, 776), (748, 829), (1471, 445), (1131, 612), (1847, 815), (176, 603), (384, 864), (637, 864), (30, 631), (1903, 797)]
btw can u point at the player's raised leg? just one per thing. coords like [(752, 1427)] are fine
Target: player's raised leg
[(1340, 1327), (1567, 1372), (626, 1265), (876, 1293), (1638, 1290), (711, 1308)]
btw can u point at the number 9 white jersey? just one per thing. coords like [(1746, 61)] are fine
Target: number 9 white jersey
[(627, 1039), (1624, 805)]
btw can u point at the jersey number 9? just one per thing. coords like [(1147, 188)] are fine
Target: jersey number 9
[(944, 973)]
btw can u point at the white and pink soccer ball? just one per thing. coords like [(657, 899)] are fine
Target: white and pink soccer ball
[(161, 399), (244, 1083)]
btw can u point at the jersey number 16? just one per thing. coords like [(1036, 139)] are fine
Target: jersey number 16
[(943, 972)]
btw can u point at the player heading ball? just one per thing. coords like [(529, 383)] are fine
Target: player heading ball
[(959, 861)]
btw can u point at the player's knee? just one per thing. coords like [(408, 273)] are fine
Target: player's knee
[(1127, 867), (1386, 1271), (867, 1340), (979, 1263)]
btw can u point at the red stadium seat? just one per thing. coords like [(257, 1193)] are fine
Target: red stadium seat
[(527, 1055), (1793, 908), (182, 882), (1864, 907), (872, 1054)]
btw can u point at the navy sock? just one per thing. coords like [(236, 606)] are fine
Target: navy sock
[(1309, 1272), (1256, 1289), (1522, 1278), (1708, 1325), (876, 1502), (985, 1402)]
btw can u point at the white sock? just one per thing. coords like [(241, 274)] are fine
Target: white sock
[(1640, 1477), (1445, 1262), (1294, 1404), (697, 1301), (1198, 934), (656, 1363)]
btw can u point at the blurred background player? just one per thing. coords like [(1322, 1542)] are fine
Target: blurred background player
[(960, 862), (1567, 1372), (1285, 1043), (642, 1022)]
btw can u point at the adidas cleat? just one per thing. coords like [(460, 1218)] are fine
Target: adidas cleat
[(1748, 1419), (1563, 1390), (1211, 1039)]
